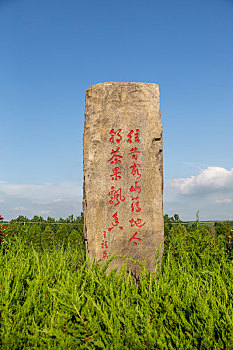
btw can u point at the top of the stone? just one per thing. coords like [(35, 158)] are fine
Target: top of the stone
[(123, 84)]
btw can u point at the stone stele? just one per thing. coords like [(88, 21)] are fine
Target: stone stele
[(123, 174)]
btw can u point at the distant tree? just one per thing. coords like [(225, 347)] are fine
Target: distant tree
[(61, 236), (76, 242), (39, 221), (223, 228), (178, 229), (12, 229), (47, 239), (52, 223), (172, 219), (225, 236), (20, 218), (35, 234), (176, 218), (169, 222), (75, 239)]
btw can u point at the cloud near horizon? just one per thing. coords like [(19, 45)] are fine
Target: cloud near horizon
[(210, 192), (210, 180), (49, 199)]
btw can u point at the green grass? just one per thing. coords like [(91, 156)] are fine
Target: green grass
[(54, 300)]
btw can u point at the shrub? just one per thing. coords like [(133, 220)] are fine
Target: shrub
[(223, 228), (2, 232), (76, 243), (12, 229), (47, 239), (178, 229), (75, 239), (224, 232), (34, 236), (52, 301), (61, 237)]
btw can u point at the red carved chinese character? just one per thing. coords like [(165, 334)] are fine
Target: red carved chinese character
[(132, 189), (105, 255), (115, 195), (134, 152), (104, 234), (135, 170), (134, 237), (115, 176), (130, 136), (113, 133), (137, 222), (104, 244), (136, 204), (114, 159), (136, 136), (115, 223)]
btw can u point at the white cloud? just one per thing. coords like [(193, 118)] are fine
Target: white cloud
[(221, 201), (47, 190), (43, 212), (19, 208), (48, 202), (40, 203), (203, 192), (209, 180), (56, 199)]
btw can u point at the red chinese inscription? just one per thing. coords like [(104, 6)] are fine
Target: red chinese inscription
[(135, 238), (116, 195), (105, 255), (134, 152), (135, 170), (115, 223), (115, 157), (135, 135), (115, 176), (135, 188), (104, 244), (135, 204), (136, 222), (117, 133)]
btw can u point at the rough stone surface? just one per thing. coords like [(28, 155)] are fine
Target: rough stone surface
[(123, 189)]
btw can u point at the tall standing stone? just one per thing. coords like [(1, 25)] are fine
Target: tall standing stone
[(123, 173)]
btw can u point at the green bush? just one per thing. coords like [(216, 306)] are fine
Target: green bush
[(223, 228), (34, 236), (178, 229), (49, 301), (76, 241), (12, 230), (47, 239), (61, 237), (75, 238), (224, 233)]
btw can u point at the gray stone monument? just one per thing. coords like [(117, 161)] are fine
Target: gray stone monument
[(123, 174)]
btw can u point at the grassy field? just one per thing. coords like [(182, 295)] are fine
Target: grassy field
[(52, 299)]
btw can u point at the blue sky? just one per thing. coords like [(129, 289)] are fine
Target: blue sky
[(51, 51)]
